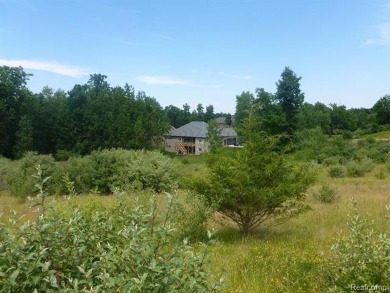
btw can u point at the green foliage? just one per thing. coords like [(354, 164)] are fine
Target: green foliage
[(382, 110), (312, 116), (101, 171), (121, 248), (191, 213), (290, 97), (19, 175), (326, 194), (14, 96), (362, 257), (359, 168), (270, 115), (214, 136), (24, 137), (380, 174), (90, 116), (337, 171), (341, 119), (106, 169), (310, 143), (63, 155), (256, 184), (313, 144), (333, 160), (243, 106)]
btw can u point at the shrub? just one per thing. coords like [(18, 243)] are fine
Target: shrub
[(122, 248), (326, 194), (380, 174), (191, 214), (63, 155), (333, 160), (152, 170), (104, 170), (19, 176), (336, 171), (359, 168), (361, 257)]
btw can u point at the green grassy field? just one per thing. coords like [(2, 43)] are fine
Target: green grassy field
[(288, 258)]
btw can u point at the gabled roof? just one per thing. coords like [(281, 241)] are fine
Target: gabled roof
[(228, 132), (199, 129), (192, 129)]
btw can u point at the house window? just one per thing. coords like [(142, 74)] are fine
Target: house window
[(200, 149)]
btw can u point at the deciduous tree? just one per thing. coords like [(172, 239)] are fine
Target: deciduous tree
[(382, 110)]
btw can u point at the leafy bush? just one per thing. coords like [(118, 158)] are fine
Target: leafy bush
[(19, 176), (121, 248), (333, 160), (104, 170), (63, 155), (378, 151), (312, 144), (326, 194), (337, 171), (4, 165), (191, 214), (360, 258), (380, 174), (359, 168)]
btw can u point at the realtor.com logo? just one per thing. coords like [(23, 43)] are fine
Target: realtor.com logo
[(366, 287)]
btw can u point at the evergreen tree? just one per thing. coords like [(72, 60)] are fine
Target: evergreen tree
[(290, 97)]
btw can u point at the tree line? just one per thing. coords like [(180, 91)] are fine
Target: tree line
[(88, 117), (286, 111), (96, 115)]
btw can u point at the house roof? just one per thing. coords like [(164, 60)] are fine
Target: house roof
[(192, 129), (199, 129), (228, 132), (221, 120)]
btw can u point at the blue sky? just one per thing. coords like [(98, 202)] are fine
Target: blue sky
[(203, 51)]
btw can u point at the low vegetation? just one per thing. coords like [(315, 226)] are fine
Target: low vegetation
[(100, 171), (126, 246), (308, 254)]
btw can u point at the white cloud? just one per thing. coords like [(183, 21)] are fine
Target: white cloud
[(54, 67), (161, 80)]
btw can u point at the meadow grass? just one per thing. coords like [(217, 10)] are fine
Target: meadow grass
[(378, 135), (292, 257), (288, 258)]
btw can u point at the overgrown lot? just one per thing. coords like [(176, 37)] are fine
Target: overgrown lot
[(342, 241)]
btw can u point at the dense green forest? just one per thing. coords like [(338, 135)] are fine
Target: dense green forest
[(96, 115)]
